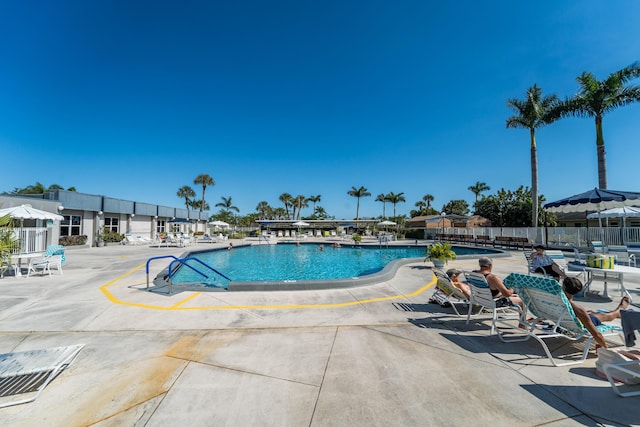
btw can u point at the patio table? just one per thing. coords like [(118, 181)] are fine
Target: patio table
[(29, 256), (614, 275)]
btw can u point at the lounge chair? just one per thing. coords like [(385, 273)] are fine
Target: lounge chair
[(31, 371), (622, 254), (597, 247), (447, 292), (553, 316), (131, 240), (53, 257), (558, 257), (481, 295)]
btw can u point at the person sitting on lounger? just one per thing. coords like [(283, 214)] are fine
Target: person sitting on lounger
[(589, 318), (498, 288), (454, 275), (542, 263)]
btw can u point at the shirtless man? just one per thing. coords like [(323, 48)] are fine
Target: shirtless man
[(498, 289)]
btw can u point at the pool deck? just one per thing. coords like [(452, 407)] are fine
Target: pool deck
[(375, 355)]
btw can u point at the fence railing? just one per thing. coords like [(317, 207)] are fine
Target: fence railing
[(558, 236), (31, 239)]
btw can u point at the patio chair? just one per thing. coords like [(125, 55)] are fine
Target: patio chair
[(481, 295), (447, 292), (29, 372), (598, 247), (622, 254), (622, 368), (53, 257), (553, 316)]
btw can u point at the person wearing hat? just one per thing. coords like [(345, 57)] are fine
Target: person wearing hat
[(542, 263), (454, 275)]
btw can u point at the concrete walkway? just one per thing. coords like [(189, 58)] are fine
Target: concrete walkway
[(378, 355)]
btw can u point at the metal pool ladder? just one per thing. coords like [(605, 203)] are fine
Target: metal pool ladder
[(183, 261)]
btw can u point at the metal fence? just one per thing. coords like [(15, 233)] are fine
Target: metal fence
[(557, 236)]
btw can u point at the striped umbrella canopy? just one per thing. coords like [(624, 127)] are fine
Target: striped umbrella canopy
[(28, 212), (594, 200)]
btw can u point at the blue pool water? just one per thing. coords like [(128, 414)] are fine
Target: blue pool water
[(285, 262)]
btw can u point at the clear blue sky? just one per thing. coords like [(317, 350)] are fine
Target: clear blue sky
[(134, 99)]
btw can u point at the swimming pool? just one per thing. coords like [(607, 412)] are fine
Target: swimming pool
[(305, 266)]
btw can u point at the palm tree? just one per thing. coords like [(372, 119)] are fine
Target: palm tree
[(205, 180), (428, 198), (383, 198), (263, 210), (314, 200), (287, 199), (185, 192), (533, 112), (395, 199), (299, 202), (599, 97), (358, 193), (478, 188), (227, 204), (421, 207)]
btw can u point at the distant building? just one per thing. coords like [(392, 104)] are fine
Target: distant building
[(85, 214)]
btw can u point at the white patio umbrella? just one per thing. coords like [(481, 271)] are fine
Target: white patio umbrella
[(623, 212), (219, 224), (28, 212), (384, 223), (300, 224)]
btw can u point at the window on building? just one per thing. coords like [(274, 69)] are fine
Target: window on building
[(111, 224), (70, 225), (160, 227)]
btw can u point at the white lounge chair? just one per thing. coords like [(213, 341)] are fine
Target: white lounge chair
[(622, 254), (53, 257), (448, 292), (29, 372), (553, 316), (481, 295)]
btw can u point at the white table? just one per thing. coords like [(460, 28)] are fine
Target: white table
[(29, 256), (615, 275)]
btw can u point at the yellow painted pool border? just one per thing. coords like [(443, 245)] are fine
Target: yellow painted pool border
[(179, 305)]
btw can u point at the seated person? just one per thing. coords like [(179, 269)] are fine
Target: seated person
[(506, 296), (589, 318), (454, 275), (542, 263)]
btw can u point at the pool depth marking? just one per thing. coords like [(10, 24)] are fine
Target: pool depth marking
[(178, 306)]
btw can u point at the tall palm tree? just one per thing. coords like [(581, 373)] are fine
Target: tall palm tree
[(421, 207), (358, 193), (204, 180), (533, 112), (428, 198), (382, 198), (185, 192), (287, 200), (299, 202), (395, 199), (314, 200), (263, 209), (596, 98), (478, 188), (227, 204)]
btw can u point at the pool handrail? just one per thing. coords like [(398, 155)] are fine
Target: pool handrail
[(182, 261)]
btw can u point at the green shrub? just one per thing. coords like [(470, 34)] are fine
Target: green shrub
[(72, 240)]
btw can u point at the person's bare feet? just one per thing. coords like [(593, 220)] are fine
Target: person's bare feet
[(624, 303)]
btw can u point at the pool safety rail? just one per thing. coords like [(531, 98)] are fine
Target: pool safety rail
[(183, 261)]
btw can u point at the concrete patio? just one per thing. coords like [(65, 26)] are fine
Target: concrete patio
[(377, 355)]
